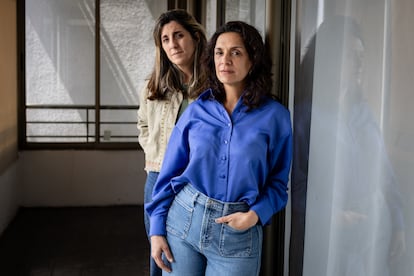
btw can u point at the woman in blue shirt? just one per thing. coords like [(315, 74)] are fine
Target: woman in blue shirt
[(227, 164)]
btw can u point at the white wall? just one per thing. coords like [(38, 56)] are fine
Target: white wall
[(81, 178), (71, 178)]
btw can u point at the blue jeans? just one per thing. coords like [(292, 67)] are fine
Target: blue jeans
[(201, 246), (149, 187)]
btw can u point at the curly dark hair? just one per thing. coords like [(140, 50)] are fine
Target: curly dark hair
[(259, 80)]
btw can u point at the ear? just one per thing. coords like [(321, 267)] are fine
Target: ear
[(197, 36), (250, 69)]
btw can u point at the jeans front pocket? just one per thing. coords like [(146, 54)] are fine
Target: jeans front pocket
[(179, 217), (240, 243)]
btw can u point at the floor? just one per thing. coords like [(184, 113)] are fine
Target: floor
[(104, 241)]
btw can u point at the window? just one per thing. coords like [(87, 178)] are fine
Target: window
[(81, 90), (249, 11)]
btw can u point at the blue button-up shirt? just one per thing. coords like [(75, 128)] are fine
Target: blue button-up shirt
[(242, 157)]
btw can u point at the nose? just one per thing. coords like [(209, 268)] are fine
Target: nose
[(173, 43), (226, 58)]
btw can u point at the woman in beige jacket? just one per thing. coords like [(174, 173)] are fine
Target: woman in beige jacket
[(175, 81)]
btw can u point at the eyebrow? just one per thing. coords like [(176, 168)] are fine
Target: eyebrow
[(174, 33), (232, 48)]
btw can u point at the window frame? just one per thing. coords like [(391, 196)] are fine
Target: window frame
[(24, 144)]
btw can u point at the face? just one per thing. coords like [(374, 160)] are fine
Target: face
[(178, 44), (353, 59), (231, 60)]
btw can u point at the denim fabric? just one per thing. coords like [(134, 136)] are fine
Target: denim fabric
[(149, 186), (201, 246)]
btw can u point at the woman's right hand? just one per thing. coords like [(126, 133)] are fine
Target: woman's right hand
[(159, 246)]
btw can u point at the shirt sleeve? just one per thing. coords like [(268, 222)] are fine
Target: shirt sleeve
[(175, 162), (274, 196)]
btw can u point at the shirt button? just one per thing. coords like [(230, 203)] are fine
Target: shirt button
[(223, 158), (226, 142), (222, 176)]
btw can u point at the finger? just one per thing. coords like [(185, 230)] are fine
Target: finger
[(160, 263), (159, 247), (224, 219), (221, 220), (168, 255)]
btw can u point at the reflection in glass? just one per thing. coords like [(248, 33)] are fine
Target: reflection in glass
[(355, 209)]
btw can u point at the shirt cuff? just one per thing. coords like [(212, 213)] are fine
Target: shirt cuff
[(157, 226)]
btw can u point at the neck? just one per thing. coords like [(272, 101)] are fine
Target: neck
[(187, 73), (233, 95)]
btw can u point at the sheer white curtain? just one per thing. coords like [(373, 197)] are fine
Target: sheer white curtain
[(361, 162)]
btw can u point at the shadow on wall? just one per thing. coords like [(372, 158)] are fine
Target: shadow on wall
[(8, 148)]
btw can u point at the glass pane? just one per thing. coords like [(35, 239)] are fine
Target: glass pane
[(249, 11), (398, 130), (55, 115), (54, 123), (211, 17), (359, 191), (59, 140), (119, 115), (57, 130), (118, 124), (60, 47), (127, 48), (117, 132)]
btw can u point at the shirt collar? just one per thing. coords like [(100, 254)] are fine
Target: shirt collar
[(207, 94)]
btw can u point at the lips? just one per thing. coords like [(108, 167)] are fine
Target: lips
[(176, 53), (226, 71)]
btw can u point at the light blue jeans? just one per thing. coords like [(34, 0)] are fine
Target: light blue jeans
[(148, 188), (201, 246)]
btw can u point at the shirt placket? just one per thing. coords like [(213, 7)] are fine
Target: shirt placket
[(224, 162)]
